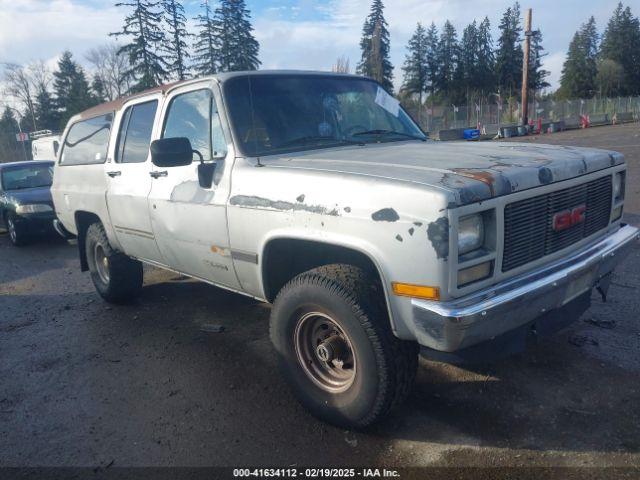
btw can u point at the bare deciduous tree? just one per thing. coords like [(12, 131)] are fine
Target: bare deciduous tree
[(110, 67), (19, 85), (341, 65)]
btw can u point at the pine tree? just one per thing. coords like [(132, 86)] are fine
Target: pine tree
[(433, 64), (71, 88), (580, 69), (9, 148), (235, 46), (621, 43), (509, 53), (47, 116), (99, 89), (537, 74), (416, 69), (448, 57), (177, 54), (485, 68), (467, 75), (147, 67), (375, 46), (204, 57)]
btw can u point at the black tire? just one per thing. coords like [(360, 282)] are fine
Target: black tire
[(17, 233), (123, 281), (384, 366)]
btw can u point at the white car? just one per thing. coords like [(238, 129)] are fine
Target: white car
[(318, 193)]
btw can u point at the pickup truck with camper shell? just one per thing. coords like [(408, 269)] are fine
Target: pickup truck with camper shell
[(318, 193)]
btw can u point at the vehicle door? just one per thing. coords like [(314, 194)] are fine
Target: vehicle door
[(129, 174), (189, 221)]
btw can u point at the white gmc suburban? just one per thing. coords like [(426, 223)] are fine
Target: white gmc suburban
[(318, 193)]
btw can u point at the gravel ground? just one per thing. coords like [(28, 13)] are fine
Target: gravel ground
[(83, 383)]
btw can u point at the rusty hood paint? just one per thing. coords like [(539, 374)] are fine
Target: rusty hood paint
[(471, 172)]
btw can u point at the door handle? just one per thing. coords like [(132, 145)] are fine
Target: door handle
[(155, 174), (114, 174)]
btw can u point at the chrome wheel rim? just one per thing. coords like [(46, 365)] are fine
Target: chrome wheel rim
[(102, 263), (12, 230), (325, 352)]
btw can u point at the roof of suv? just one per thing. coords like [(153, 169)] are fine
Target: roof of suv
[(115, 105)]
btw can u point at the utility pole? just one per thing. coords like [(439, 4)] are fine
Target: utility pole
[(525, 69)]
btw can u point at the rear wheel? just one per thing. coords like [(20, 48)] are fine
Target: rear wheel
[(117, 277), (17, 233), (336, 349)]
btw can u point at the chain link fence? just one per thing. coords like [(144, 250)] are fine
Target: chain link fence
[(484, 113)]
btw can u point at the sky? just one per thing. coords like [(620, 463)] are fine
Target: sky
[(297, 34)]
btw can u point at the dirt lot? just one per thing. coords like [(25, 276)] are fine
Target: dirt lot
[(84, 383)]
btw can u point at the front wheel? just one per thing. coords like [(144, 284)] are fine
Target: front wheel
[(117, 277), (336, 349), (17, 233)]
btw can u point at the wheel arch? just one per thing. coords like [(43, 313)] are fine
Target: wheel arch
[(284, 257), (84, 220)]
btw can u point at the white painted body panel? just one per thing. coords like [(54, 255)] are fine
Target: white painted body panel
[(339, 196)]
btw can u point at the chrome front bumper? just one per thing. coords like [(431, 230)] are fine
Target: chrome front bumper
[(487, 314)]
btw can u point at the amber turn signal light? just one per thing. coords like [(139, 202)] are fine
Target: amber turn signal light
[(416, 291)]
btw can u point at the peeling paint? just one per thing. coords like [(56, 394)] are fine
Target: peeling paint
[(399, 238), (191, 192), (545, 175), (385, 215), (347, 209), (438, 233), (247, 201), (411, 230), (300, 199), (417, 224)]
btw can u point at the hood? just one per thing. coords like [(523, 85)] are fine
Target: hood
[(472, 171), (29, 196)]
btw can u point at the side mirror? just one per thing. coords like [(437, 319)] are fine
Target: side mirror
[(171, 152)]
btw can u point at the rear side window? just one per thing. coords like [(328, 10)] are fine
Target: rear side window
[(134, 137), (87, 141)]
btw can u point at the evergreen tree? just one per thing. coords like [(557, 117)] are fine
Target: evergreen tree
[(9, 148), (537, 75), (47, 116), (99, 89), (467, 77), (375, 46), (448, 57), (205, 46), (177, 53), (580, 69), (433, 62), (486, 63), (71, 89), (416, 69), (147, 67), (509, 53), (621, 43), (235, 46)]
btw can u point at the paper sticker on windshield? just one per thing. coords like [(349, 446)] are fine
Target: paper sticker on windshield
[(387, 102)]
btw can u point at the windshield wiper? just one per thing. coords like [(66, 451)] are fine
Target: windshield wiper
[(315, 138), (382, 133)]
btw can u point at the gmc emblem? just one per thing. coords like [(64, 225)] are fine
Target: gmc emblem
[(568, 218)]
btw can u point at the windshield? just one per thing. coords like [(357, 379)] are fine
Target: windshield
[(283, 113), (27, 176)]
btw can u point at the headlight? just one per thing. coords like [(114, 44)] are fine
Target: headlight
[(470, 233), (618, 186), (36, 208)]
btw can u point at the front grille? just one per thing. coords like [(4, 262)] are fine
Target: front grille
[(528, 224)]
